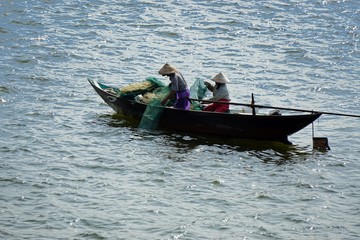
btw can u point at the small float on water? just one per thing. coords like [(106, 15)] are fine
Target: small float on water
[(134, 100)]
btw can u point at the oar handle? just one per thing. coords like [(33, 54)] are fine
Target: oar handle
[(272, 107), (210, 101)]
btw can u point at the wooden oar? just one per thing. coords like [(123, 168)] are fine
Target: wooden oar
[(272, 107)]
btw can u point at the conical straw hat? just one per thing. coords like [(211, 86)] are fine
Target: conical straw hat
[(167, 69), (220, 78)]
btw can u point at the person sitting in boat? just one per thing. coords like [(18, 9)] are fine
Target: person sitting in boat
[(179, 87), (220, 94)]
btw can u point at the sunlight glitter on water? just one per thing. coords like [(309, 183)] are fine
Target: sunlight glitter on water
[(69, 168)]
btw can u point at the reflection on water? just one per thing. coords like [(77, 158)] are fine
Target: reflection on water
[(267, 151)]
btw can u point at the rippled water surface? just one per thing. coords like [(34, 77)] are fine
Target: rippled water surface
[(71, 169)]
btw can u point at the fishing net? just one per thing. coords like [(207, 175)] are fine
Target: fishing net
[(154, 109), (152, 114), (197, 91), (153, 98), (135, 89)]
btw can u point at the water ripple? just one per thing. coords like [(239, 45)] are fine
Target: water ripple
[(69, 168)]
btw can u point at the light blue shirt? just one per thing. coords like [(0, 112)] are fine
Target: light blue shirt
[(178, 82)]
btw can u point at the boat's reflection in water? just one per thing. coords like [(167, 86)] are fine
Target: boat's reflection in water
[(182, 143), (267, 151)]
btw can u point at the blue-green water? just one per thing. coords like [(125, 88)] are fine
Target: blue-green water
[(71, 170)]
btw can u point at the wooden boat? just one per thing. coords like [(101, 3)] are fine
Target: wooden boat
[(238, 125)]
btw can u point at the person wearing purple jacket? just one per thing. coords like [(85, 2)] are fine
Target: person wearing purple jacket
[(179, 87)]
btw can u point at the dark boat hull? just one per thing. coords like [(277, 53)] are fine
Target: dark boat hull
[(258, 127)]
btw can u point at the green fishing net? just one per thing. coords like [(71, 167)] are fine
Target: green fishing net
[(153, 98), (197, 91), (152, 114), (154, 109)]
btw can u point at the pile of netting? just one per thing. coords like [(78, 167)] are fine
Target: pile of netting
[(154, 109), (152, 91), (132, 90)]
